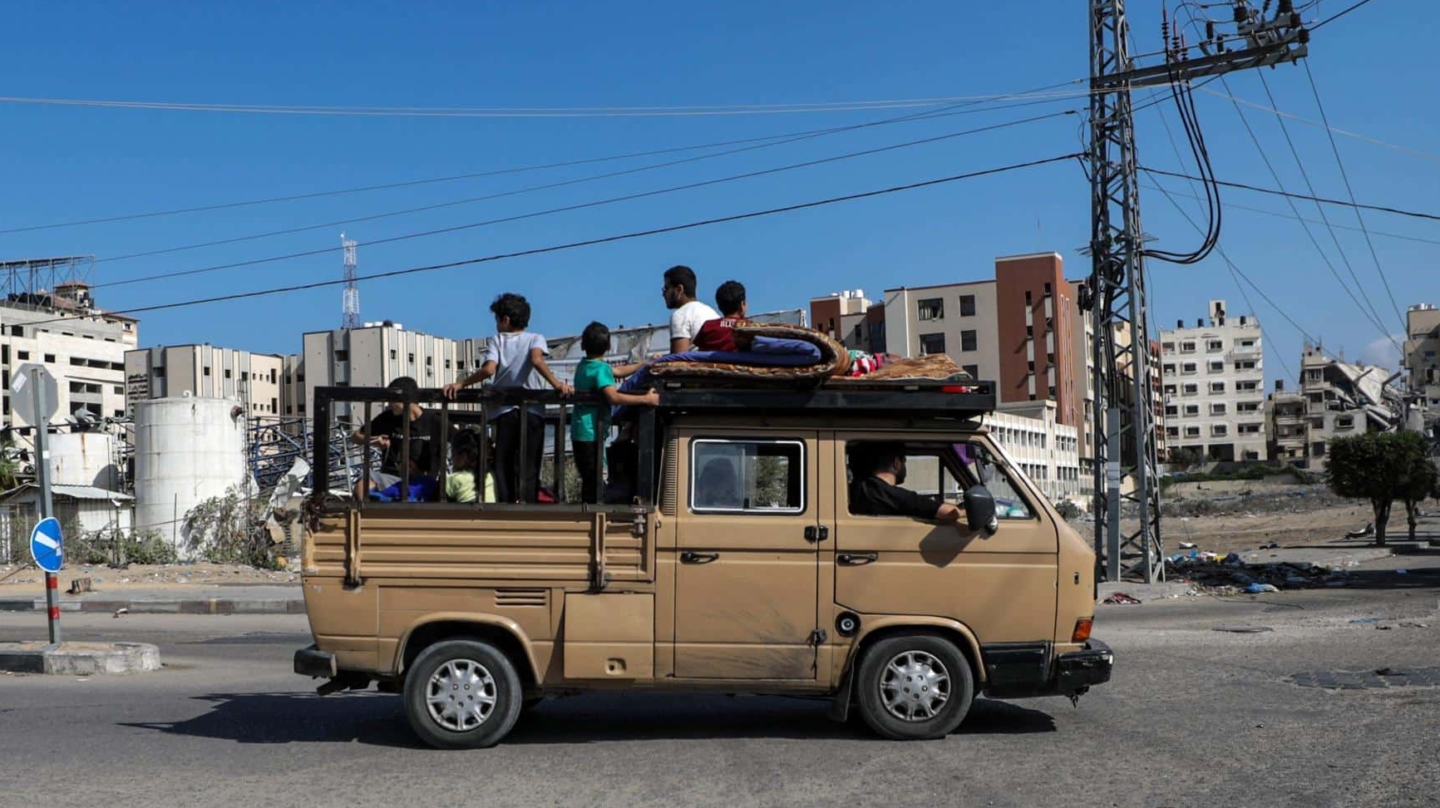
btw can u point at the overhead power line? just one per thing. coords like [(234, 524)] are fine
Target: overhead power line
[(1326, 200), (512, 112), (1323, 125), (1153, 185), (1334, 237), (1333, 17), (551, 185), (1350, 192), (607, 239), (576, 206), (786, 136)]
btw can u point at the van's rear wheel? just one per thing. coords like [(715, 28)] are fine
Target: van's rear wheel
[(914, 687), (462, 694)]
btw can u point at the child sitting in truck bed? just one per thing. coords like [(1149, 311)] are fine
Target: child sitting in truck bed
[(591, 424), (465, 457)]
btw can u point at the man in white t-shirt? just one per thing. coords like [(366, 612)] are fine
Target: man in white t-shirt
[(687, 313)]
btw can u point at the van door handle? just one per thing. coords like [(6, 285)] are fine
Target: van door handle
[(856, 559), (688, 557)]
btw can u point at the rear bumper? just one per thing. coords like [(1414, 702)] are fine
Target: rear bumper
[(312, 662), (1077, 672)]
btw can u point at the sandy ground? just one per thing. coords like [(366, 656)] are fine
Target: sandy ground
[(151, 577)]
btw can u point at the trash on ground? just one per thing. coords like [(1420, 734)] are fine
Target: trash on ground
[(1402, 572), (120, 611), (1122, 599), (1368, 530), (1257, 588), (1188, 545), (80, 586)]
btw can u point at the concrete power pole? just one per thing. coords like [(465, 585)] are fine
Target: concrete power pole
[(1123, 420)]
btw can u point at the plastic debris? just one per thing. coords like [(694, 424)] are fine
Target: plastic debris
[(1402, 572), (1257, 588), (1188, 545), (120, 611), (1122, 599)]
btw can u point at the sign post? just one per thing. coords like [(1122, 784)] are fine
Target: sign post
[(45, 539)]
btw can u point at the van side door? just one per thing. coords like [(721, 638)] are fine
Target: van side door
[(746, 557)]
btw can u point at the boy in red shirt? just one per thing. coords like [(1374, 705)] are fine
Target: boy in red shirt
[(719, 335)]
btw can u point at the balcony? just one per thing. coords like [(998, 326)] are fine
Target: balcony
[(1244, 353)]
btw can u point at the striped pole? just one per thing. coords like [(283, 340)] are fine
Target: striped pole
[(52, 600)]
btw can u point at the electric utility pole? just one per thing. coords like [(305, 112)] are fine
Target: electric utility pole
[(1123, 419)]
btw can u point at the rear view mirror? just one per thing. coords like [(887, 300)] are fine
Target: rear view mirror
[(980, 510)]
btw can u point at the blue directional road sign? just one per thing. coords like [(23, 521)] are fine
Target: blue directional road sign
[(45, 543)]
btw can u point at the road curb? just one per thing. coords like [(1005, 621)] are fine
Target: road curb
[(185, 606), (79, 659)]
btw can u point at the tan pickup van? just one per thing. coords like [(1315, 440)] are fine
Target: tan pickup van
[(736, 564)]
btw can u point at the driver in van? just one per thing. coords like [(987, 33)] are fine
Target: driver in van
[(878, 492)]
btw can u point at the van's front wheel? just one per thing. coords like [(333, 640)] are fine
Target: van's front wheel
[(462, 694), (914, 687)]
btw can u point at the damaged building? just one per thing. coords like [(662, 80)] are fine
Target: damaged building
[(1336, 399)]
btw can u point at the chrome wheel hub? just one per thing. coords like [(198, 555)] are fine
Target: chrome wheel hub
[(914, 686), (461, 695)]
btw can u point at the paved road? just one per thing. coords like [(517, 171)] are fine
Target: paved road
[(1194, 717)]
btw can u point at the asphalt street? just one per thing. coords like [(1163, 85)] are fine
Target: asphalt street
[(1194, 716)]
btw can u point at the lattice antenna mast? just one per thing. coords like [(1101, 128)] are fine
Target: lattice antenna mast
[(350, 297), (1123, 428)]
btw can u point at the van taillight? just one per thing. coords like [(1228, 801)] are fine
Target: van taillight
[(956, 388), (1082, 629)]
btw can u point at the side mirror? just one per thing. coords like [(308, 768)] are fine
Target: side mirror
[(980, 510)]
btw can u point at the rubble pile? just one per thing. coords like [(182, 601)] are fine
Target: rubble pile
[(1230, 574)]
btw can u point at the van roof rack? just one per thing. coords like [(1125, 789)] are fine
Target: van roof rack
[(911, 397)]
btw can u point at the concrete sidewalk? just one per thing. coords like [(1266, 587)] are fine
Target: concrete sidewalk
[(258, 599)]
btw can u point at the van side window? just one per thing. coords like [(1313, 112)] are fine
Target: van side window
[(747, 476), (942, 471)]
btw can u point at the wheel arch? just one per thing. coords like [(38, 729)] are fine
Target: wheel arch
[(878, 629), (503, 633)]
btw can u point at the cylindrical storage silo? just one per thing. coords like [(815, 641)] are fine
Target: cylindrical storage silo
[(84, 458), (187, 450)]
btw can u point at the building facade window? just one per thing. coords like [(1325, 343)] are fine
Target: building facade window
[(1217, 388), (967, 305), (1214, 346), (1192, 389), (1218, 430), (931, 309), (1188, 368), (968, 341), (973, 370), (932, 344), (1217, 408), (1217, 366), (1187, 347)]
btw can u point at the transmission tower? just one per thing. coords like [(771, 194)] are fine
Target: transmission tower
[(1123, 419), (350, 297)]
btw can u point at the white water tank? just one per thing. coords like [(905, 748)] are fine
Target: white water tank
[(84, 458), (187, 450)]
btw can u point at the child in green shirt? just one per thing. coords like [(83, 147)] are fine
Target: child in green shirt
[(460, 483), (591, 423)]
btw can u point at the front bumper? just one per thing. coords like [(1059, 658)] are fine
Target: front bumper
[(1078, 671), (313, 662)]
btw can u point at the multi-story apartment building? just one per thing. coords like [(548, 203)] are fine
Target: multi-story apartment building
[(1017, 329), (1422, 358), (1287, 426), (82, 347), (1047, 450), (849, 317), (206, 371), (1341, 399), (1213, 376), (373, 355)]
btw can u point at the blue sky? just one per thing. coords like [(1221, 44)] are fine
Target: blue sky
[(69, 163)]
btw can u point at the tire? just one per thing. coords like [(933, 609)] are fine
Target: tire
[(475, 671), (937, 675)]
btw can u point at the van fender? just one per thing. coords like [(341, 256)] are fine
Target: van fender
[(874, 625), (479, 619)]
